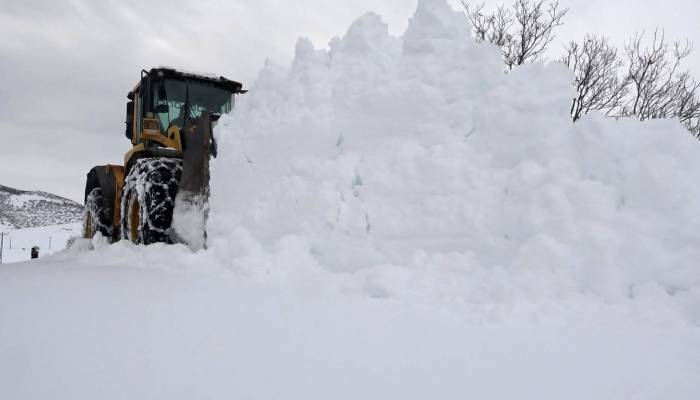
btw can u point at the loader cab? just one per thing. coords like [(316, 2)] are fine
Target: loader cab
[(166, 101)]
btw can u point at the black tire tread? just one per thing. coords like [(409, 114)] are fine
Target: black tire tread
[(98, 213), (154, 183)]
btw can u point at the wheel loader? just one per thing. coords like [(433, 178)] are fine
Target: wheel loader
[(161, 192)]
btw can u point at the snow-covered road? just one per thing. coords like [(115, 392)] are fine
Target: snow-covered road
[(75, 331)]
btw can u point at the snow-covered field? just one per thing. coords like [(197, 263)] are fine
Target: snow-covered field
[(18, 243), (392, 218), (106, 326)]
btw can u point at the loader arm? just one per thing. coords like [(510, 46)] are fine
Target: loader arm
[(192, 202)]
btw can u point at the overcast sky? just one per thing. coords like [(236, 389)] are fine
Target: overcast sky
[(66, 65)]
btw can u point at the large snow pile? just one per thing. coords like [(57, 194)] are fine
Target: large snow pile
[(413, 167)]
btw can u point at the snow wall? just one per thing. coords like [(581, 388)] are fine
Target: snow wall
[(414, 167)]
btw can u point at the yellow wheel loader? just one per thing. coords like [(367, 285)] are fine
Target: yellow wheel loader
[(161, 192)]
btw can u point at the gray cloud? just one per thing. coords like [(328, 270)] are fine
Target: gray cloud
[(66, 66)]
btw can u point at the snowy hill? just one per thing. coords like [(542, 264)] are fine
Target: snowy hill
[(393, 217), (24, 209)]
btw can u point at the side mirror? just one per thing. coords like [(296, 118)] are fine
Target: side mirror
[(162, 109), (129, 119)]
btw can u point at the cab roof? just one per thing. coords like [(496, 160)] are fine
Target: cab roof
[(172, 73)]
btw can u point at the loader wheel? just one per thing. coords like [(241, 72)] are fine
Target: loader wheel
[(148, 200), (95, 217)]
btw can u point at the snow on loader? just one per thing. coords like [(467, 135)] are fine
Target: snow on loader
[(161, 192)]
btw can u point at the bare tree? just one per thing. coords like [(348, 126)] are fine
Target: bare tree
[(523, 33), (654, 76), (659, 89), (645, 82), (688, 104), (652, 84), (493, 28), (596, 65)]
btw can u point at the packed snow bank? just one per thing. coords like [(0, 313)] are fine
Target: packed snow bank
[(414, 167)]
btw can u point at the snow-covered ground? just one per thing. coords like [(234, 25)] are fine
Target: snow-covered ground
[(107, 326), (392, 218), (17, 243)]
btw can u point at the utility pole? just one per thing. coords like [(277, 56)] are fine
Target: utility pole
[(2, 244)]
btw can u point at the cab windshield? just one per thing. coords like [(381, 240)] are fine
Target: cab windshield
[(175, 101)]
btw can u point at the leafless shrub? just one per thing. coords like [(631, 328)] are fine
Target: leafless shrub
[(644, 81), (659, 89), (596, 66), (493, 28), (652, 72), (648, 83), (688, 104), (522, 32)]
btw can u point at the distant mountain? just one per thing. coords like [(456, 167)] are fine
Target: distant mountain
[(25, 209)]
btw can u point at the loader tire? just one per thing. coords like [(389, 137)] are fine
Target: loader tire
[(148, 200), (95, 216)]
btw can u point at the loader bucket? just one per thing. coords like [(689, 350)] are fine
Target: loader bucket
[(192, 201)]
